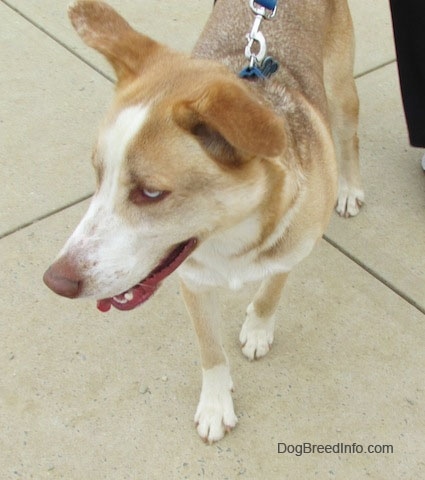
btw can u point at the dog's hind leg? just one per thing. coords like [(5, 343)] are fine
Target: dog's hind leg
[(257, 331), (343, 106), (215, 414)]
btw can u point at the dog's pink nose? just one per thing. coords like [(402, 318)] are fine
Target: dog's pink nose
[(62, 277)]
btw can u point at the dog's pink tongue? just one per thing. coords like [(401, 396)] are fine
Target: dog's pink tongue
[(139, 294), (104, 305)]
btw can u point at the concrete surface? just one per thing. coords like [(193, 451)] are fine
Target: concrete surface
[(91, 396)]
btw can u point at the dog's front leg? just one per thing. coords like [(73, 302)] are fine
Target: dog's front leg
[(257, 331), (215, 414)]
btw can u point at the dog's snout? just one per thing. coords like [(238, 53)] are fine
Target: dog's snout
[(62, 277)]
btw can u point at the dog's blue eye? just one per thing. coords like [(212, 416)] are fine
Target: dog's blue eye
[(153, 194), (143, 196)]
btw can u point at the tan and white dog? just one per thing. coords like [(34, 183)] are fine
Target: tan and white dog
[(235, 178)]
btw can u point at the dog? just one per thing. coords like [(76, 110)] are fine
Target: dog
[(227, 180)]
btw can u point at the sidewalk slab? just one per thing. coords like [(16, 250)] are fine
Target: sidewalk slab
[(112, 396), (50, 106), (374, 34), (388, 234)]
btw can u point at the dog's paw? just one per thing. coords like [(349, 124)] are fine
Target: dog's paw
[(350, 200), (256, 335), (215, 414), (214, 418)]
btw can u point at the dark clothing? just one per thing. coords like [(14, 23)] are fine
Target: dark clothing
[(409, 34)]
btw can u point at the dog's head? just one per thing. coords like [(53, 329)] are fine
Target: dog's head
[(179, 156)]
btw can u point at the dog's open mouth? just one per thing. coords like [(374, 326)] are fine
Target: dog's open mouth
[(138, 294)]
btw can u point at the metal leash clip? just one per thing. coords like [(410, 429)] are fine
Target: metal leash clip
[(263, 9), (255, 36)]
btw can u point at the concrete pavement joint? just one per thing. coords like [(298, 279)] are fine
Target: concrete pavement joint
[(59, 42), (374, 69), (375, 274), (43, 217)]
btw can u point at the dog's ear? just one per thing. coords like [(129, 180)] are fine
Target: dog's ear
[(230, 124), (103, 29)]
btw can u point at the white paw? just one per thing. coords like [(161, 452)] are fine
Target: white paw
[(215, 414), (350, 199), (256, 335)]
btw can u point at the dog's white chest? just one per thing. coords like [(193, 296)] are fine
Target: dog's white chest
[(223, 262)]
